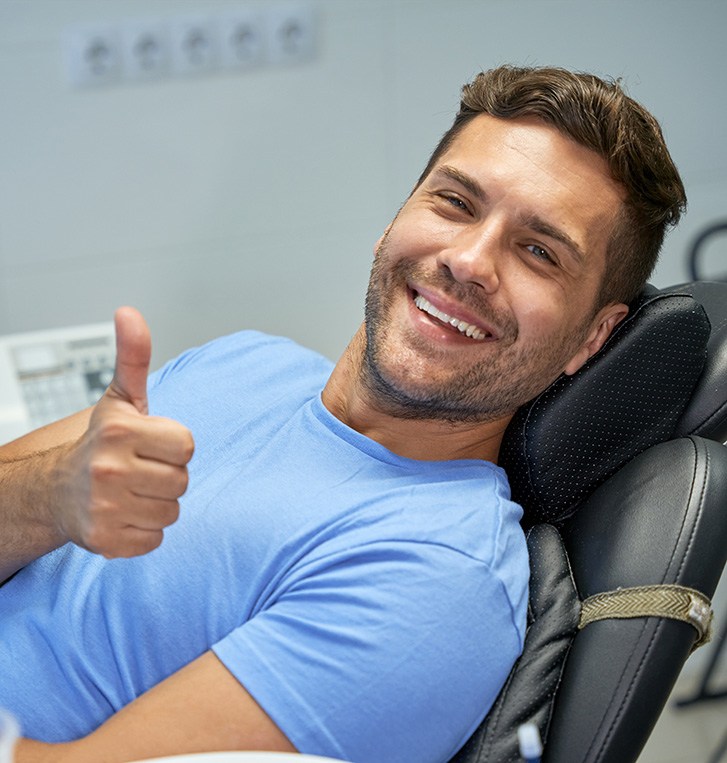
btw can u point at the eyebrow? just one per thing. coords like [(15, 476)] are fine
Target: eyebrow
[(466, 181), (546, 229), (532, 221)]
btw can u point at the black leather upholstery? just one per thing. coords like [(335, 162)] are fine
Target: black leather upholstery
[(664, 515), (629, 396), (528, 695), (706, 412), (653, 515)]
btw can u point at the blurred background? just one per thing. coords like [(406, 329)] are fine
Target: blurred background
[(227, 164), (251, 195)]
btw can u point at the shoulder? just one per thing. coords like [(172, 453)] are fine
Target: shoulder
[(365, 637), (237, 375), (464, 505), (256, 352), (218, 389)]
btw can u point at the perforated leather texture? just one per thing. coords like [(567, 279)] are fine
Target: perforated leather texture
[(578, 432)]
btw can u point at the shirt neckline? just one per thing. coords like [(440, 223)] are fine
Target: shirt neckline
[(378, 451)]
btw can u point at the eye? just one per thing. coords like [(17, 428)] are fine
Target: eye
[(540, 253), (454, 201)]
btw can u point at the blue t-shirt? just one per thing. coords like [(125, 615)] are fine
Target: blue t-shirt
[(373, 605)]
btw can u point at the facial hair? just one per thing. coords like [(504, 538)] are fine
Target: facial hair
[(394, 362)]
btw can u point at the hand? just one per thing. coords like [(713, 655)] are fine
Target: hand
[(120, 483)]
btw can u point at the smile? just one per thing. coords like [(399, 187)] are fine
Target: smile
[(468, 329)]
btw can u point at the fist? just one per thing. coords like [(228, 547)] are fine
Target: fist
[(121, 481)]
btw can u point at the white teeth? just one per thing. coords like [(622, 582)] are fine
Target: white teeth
[(467, 329)]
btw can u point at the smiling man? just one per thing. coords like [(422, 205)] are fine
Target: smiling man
[(484, 289), (347, 575)]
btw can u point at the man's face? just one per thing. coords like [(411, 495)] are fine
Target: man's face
[(484, 286)]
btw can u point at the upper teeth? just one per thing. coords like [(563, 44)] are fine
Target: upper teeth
[(465, 328)]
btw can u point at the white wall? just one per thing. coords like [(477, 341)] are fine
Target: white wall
[(254, 199)]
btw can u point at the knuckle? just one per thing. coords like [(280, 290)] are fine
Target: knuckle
[(96, 539), (104, 469), (99, 529), (113, 430)]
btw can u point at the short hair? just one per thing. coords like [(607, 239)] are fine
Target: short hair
[(597, 114)]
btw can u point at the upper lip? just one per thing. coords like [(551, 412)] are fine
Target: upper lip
[(455, 309)]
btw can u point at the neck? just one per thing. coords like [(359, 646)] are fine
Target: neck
[(347, 397)]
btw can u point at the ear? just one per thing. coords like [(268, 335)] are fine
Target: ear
[(382, 238), (603, 324)]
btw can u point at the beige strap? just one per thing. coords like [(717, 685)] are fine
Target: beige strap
[(673, 601)]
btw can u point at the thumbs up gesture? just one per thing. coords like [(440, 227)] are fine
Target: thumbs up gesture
[(124, 476)]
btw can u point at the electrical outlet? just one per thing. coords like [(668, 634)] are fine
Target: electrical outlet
[(152, 48), (93, 54), (241, 40), (145, 49), (291, 33), (193, 45)]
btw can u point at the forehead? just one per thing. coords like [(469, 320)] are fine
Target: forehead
[(533, 140)]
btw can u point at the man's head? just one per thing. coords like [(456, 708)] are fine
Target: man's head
[(538, 216), (598, 115), (483, 288)]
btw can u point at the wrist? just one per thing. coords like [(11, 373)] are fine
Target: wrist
[(56, 489), (40, 500)]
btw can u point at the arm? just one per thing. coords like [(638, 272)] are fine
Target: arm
[(200, 708), (107, 478), (28, 483)]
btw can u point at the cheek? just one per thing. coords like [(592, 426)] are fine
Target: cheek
[(545, 314), (415, 233)]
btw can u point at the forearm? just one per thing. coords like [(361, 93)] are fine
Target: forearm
[(29, 486), (30, 751), (200, 708)]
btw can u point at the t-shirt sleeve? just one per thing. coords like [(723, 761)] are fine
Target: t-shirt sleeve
[(393, 652)]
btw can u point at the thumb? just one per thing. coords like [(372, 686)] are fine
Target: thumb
[(133, 355)]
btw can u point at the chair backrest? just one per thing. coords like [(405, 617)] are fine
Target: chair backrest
[(621, 489)]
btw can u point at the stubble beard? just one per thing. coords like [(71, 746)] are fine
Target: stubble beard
[(485, 391)]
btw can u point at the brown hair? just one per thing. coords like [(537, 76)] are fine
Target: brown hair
[(598, 115)]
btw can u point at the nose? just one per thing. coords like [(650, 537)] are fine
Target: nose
[(474, 257)]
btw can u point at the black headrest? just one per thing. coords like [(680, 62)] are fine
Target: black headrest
[(627, 397), (706, 411)]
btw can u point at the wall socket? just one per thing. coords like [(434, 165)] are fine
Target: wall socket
[(193, 45), (93, 54), (145, 49), (243, 40), (290, 34), (154, 48)]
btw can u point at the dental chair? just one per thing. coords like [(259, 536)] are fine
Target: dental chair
[(622, 472)]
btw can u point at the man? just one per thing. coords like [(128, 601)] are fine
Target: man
[(347, 577)]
